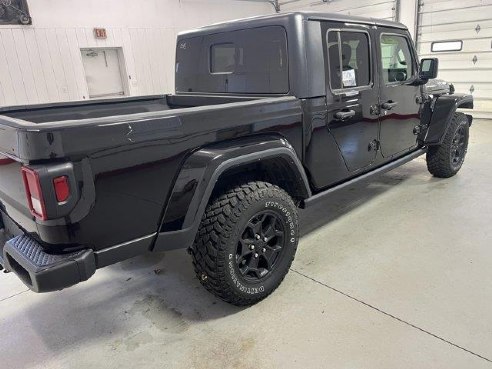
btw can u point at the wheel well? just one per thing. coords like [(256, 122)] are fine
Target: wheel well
[(276, 171)]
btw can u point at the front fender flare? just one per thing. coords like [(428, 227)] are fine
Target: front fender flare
[(444, 108), (199, 175)]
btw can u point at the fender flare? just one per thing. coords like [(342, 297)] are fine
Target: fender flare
[(199, 175), (442, 113)]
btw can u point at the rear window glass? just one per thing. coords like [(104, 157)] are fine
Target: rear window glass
[(246, 61), (223, 58)]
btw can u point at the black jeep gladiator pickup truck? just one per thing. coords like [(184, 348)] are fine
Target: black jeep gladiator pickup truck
[(270, 114)]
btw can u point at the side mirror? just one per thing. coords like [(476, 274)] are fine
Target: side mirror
[(428, 68)]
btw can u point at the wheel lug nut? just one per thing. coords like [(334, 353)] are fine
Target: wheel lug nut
[(256, 255), (252, 247), (264, 250), (265, 239), (257, 236)]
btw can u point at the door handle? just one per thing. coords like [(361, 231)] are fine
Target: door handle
[(342, 115), (388, 105)]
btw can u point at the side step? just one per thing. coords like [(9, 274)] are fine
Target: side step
[(43, 272), (382, 169)]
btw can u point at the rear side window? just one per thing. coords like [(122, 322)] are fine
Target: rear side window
[(246, 61), (396, 58), (223, 58), (349, 59)]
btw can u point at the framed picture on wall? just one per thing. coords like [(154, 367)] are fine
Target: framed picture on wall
[(14, 12)]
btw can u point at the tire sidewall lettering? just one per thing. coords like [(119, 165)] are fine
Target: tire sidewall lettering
[(275, 205), (238, 284), (289, 218)]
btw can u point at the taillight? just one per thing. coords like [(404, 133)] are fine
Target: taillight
[(62, 188), (34, 194), (5, 160)]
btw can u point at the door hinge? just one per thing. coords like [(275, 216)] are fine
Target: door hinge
[(419, 129), (374, 110), (373, 145)]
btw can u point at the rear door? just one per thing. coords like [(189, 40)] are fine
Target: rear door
[(399, 100), (352, 94)]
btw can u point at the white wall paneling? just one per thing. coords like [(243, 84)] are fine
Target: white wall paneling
[(42, 62)]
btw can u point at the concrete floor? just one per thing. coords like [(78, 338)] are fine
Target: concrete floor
[(395, 273)]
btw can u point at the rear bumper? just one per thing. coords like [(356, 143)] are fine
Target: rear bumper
[(43, 272)]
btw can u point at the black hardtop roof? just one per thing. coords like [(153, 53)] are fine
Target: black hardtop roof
[(279, 18)]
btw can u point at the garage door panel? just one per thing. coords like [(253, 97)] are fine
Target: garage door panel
[(438, 6), (471, 76), (470, 70), (462, 34), (465, 65), (383, 9), (480, 90), (482, 109), (445, 58), (456, 15), (287, 5), (469, 46)]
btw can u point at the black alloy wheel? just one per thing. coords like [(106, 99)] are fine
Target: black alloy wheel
[(260, 246), (458, 147)]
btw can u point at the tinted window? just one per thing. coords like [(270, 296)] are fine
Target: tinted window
[(245, 61), (334, 61), (353, 51), (222, 58), (396, 58)]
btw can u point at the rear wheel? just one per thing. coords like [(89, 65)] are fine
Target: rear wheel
[(445, 160), (246, 242)]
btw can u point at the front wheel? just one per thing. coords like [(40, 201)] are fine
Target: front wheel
[(445, 160), (246, 242)]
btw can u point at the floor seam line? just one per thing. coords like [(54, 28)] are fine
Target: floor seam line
[(392, 316), (15, 294)]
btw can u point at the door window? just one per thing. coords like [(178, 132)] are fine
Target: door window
[(396, 58), (349, 59)]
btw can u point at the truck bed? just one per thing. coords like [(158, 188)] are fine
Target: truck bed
[(126, 154), (44, 113)]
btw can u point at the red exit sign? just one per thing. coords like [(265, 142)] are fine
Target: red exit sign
[(100, 33)]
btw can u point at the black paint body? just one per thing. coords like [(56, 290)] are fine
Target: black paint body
[(146, 167)]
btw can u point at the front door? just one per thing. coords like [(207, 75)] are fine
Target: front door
[(399, 99), (352, 95)]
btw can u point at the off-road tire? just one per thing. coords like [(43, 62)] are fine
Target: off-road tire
[(222, 226), (440, 158)]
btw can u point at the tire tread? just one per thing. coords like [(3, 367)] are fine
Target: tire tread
[(217, 225), (438, 160)]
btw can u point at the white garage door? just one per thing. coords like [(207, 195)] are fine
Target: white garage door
[(365, 8), (459, 33)]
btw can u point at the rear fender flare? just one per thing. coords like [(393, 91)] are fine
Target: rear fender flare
[(200, 174)]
